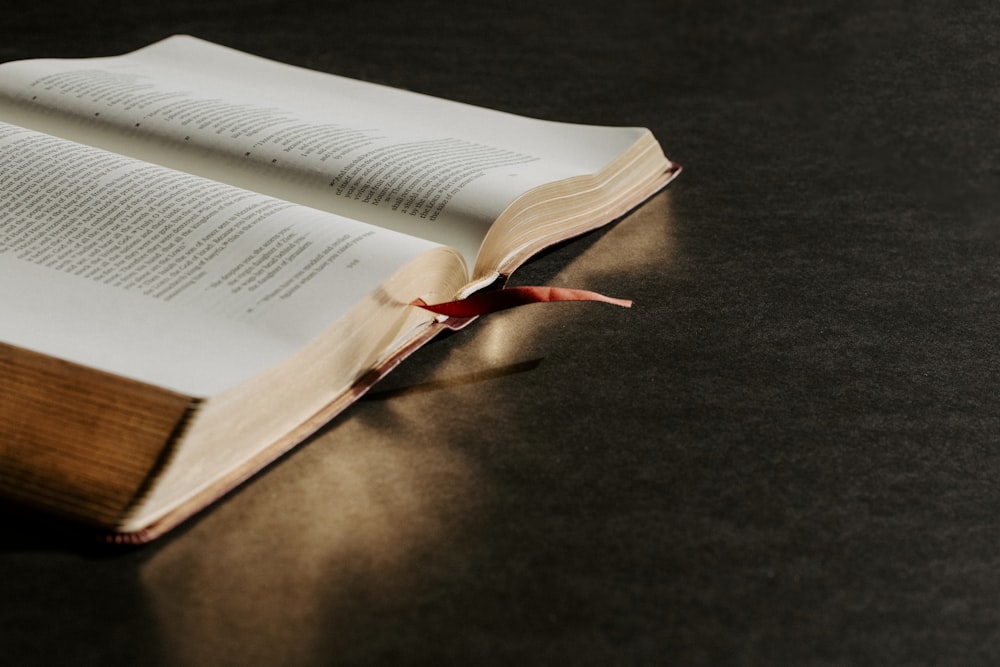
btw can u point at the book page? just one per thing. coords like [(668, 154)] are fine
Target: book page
[(428, 167), (166, 277)]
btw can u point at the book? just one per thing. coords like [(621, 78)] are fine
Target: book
[(206, 255)]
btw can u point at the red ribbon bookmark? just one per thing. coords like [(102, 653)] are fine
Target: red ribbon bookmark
[(482, 303)]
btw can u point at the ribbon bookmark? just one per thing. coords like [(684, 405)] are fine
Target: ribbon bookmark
[(483, 303)]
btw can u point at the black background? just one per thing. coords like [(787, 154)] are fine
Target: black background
[(785, 453)]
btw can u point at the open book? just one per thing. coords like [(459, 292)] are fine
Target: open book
[(206, 255)]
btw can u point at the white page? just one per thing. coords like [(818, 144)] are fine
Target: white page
[(292, 132), (168, 278)]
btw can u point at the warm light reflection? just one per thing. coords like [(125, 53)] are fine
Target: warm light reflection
[(640, 243), (297, 563), (271, 576)]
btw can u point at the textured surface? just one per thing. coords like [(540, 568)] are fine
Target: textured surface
[(785, 453)]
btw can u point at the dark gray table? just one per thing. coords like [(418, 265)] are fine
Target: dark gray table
[(785, 453)]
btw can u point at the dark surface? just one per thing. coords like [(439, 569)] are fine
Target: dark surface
[(785, 453)]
